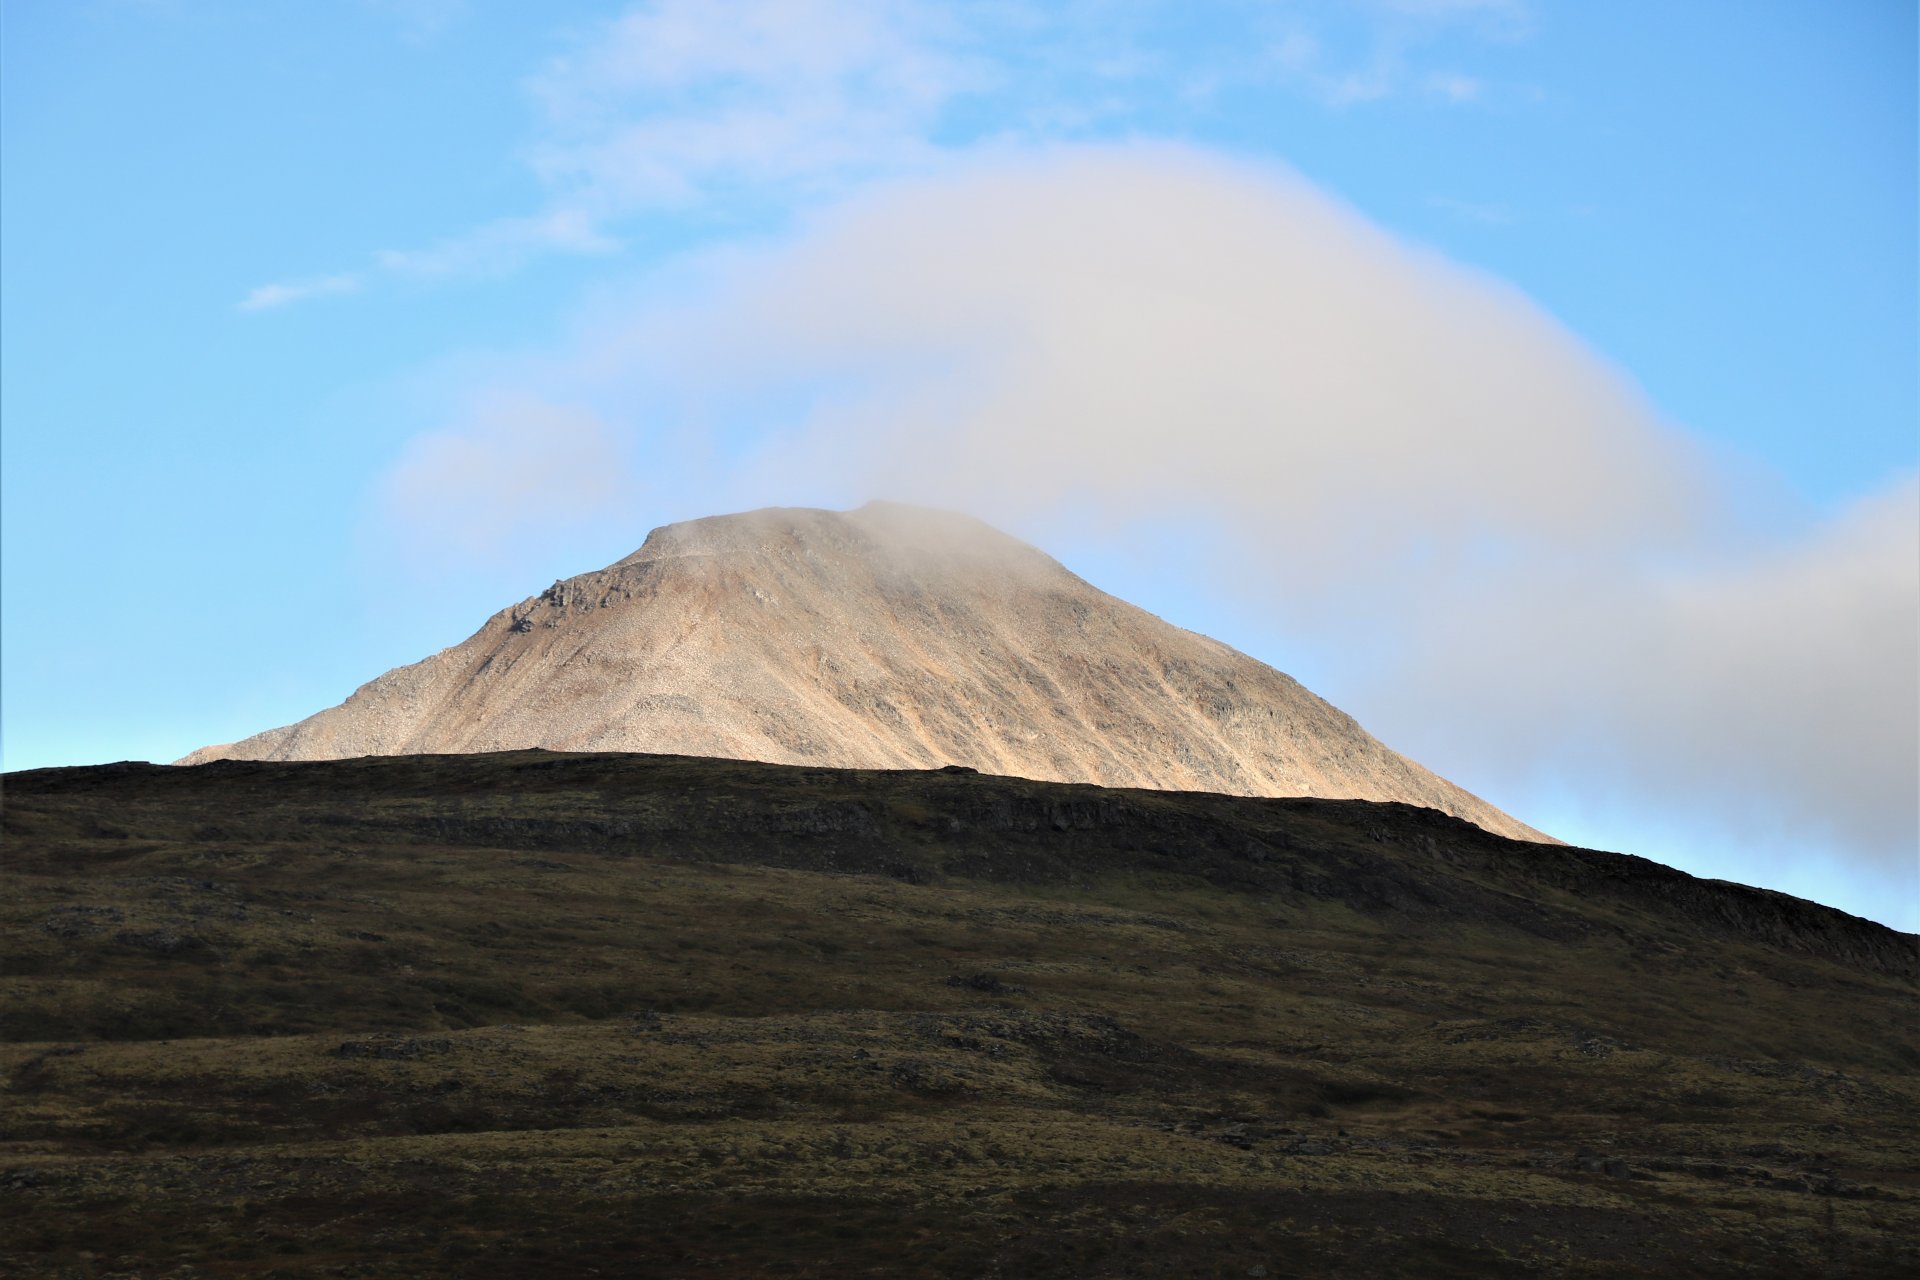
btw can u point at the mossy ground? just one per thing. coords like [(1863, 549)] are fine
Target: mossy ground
[(538, 1015)]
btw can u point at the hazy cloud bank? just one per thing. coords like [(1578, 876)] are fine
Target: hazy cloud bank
[(1513, 563)]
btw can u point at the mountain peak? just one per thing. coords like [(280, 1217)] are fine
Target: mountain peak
[(894, 534), (889, 636)]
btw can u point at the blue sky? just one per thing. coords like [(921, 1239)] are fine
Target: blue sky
[(1536, 381)]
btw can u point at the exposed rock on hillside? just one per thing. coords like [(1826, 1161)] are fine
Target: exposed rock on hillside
[(887, 637)]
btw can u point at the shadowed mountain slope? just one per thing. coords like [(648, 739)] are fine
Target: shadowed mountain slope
[(886, 637), (533, 1014)]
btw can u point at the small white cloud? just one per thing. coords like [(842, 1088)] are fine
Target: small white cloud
[(1451, 86), (287, 292), (501, 245)]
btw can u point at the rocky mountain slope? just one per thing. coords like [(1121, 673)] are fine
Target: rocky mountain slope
[(886, 637)]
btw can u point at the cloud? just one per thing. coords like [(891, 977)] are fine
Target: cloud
[(284, 293), (677, 98), (678, 52), (1476, 526), (696, 104), (420, 20), (502, 245), (1805, 655), (491, 249), (1300, 56), (680, 101), (1452, 86), (1152, 321), (1767, 688), (683, 105), (517, 471), (1483, 213), (1500, 14), (1346, 56)]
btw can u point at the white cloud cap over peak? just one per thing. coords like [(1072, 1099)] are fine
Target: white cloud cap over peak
[(1152, 322), (1517, 569)]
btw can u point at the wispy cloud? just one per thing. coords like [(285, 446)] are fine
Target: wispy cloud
[(502, 245), (1373, 50), (1452, 86), (679, 98), (1299, 55), (493, 248), (284, 293), (420, 20), (516, 469), (1508, 15), (677, 101), (676, 104), (1484, 213)]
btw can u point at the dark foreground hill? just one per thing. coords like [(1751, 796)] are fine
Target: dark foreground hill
[(556, 1015)]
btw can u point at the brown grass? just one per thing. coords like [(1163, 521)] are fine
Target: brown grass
[(440, 1017)]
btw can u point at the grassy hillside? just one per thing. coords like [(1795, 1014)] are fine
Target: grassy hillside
[(536, 1014)]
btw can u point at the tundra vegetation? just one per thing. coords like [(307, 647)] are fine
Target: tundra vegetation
[(538, 1014)]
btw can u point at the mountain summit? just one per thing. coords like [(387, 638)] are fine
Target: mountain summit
[(886, 637)]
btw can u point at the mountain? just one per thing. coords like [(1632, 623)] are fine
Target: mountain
[(886, 637), (537, 1014)]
